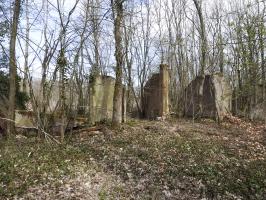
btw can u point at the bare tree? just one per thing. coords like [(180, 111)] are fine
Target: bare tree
[(62, 64), (26, 63), (117, 7), (13, 67), (203, 37)]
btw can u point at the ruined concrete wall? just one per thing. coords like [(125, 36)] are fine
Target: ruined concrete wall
[(71, 93), (152, 97), (193, 97), (24, 119), (258, 112), (208, 96), (156, 94), (101, 94), (223, 95), (208, 99), (164, 85)]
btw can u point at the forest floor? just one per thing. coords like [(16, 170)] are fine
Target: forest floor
[(174, 159)]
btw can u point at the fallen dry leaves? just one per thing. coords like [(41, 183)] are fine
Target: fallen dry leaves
[(176, 159)]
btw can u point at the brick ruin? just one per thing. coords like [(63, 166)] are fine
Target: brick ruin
[(208, 96), (156, 94)]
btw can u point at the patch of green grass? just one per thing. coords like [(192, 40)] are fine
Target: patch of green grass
[(28, 163), (102, 195), (221, 172), (132, 122)]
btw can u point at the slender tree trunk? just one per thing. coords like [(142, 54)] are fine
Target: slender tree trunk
[(203, 36), (117, 101), (129, 62), (96, 36), (262, 47), (26, 63), (262, 55), (62, 62), (13, 68), (62, 65), (221, 49)]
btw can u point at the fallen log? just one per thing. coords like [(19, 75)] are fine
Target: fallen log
[(88, 129)]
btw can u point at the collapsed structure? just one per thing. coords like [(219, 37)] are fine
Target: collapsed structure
[(101, 94), (24, 119), (208, 96), (156, 94)]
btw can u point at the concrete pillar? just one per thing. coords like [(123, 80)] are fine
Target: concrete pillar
[(164, 90)]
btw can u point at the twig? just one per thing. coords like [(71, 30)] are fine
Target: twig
[(6, 119), (47, 135)]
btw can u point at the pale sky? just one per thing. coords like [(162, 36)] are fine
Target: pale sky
[(36, 35)]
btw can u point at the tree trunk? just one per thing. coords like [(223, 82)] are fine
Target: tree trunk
[(26, 63), (221, 49), (203, 37), (62, 62), (117, 101), (13, 68), (96, 36)]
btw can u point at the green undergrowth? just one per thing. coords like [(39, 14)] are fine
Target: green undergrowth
[(149, 159), (28, 163)]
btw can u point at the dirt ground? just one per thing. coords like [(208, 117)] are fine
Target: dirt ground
[(173, 159)]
